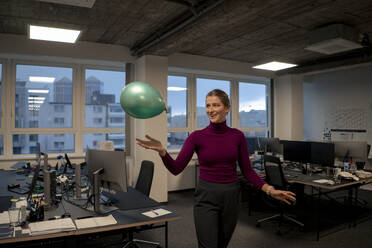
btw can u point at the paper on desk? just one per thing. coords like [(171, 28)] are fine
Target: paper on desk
[(4, 218), (324, 181), (156, 213), (95, 222), (52, 226)]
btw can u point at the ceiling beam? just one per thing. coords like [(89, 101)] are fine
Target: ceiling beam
[(175, 25)]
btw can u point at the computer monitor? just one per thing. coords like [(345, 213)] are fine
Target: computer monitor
[(34, 180), (114, 168), (296, 151), (323, 153), (352, 150), (274, 146), (252, 143)]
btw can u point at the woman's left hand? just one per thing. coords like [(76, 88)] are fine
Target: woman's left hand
[(284, 196)]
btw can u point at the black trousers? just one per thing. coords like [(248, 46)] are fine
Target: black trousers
[(216, 210)]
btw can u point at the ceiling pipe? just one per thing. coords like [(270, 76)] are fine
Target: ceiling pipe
[(160, 35)]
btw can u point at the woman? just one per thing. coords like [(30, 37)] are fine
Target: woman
[(218, 147)]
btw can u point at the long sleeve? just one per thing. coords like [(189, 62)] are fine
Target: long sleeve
[(178, 165), (245, 165)]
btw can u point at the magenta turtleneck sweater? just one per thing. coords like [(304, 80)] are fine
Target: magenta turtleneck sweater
[(218, 147)]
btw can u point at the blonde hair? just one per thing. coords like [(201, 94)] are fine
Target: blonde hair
[(221, 95)]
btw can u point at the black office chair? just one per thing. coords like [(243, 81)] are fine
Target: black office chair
[(275, 177), (143, 185)]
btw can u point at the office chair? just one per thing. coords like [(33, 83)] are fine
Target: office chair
[(275, 177), (143, 185)]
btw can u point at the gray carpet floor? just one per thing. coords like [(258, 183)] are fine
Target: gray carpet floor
[(335, 231)]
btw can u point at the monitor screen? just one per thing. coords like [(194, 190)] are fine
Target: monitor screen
[(113, 163), (354, 150), (252, 143), (296, 151), (323, 153), (274, 146)]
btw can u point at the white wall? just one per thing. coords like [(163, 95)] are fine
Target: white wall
[(342, 89), (288, 107), (153, 70), (327, 92)]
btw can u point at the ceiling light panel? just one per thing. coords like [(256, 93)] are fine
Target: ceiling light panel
[(41, 79), (53, 34), (78, 3), (274, 66)]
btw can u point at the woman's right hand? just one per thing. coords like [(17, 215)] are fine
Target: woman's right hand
[(152, 144)]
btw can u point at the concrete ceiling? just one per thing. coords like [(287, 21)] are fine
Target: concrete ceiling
[(252, 31)]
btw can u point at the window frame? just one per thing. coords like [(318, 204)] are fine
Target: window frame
[(103, 130), (234, 100), (78, 103)]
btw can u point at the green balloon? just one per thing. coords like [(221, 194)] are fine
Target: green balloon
[(141, 100)]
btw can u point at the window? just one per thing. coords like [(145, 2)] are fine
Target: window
[(38, 90), (33, 137), (97, 109), (116, 120), (116, 109), (176, 139), (97, 120), (59, 108), (92, 140), (59, 121), (33, 124), (252, 105), (48, 143), (33, 149), (102, 90), (203, 86), (59, 144), (187, 94), (177, 101), (41, 110)]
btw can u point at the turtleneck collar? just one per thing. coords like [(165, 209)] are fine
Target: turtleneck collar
[(218, 127)]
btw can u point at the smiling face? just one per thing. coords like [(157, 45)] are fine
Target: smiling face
[(215, 109)]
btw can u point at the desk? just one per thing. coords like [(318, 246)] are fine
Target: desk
[(129, 217), (297, 177)]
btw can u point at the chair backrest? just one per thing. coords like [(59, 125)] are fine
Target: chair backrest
[(145, 176), (274, 172)]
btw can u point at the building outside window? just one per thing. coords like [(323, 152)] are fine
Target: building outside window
[(103, 109), (59, 108), (43, 99), (178, 123)]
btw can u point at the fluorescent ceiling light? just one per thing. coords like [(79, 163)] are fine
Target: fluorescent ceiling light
[(171, 88), (41, 79), (35, 101), (36, 98), (274, 66), (39, 91), (53, 34)]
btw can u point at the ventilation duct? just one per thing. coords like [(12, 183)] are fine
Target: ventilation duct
[(78, 3), (334, 38)]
